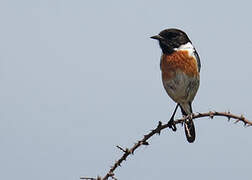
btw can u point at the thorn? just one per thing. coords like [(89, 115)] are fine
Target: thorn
[(132, 151), (236, 121), (158, 127), (245, 124), (159, 123), (211, 114), (119, 147), (145, 143)]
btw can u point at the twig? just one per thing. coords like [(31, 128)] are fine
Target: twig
[(119, 147), (89, 178), (158, 130)]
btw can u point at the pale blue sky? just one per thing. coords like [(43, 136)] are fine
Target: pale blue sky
[(80, 77)]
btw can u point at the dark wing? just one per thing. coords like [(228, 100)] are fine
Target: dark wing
[(198, 59)]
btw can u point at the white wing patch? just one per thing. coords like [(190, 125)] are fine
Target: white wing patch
[(188, 46)]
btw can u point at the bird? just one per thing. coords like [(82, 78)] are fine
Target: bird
[(180, 68)]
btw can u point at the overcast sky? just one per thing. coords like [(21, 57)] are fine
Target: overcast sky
[(80, 77)]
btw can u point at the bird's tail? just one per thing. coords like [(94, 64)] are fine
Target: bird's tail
[(186, 109)]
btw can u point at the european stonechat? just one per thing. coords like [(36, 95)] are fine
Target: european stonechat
[(180, 66)]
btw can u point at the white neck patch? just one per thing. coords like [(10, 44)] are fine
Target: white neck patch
[(188, 46)]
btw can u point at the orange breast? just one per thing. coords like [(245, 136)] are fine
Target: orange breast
[(179, 60)]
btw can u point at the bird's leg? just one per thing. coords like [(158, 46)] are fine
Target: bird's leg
[(171, 121)]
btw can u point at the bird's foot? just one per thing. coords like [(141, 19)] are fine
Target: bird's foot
[(172, 125)]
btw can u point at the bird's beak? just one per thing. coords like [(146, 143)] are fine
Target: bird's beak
[(157, 37)]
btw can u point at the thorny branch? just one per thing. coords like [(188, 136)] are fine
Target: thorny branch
[(157, 130)]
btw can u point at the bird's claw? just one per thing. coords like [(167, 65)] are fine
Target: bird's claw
[(172, 125)]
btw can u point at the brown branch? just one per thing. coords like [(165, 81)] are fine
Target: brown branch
[(89, 178), (158, 129)]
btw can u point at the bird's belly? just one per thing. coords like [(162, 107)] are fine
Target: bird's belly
[(180, 76), (181, 87)]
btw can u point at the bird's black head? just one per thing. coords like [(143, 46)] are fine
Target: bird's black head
[(170, 39)]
